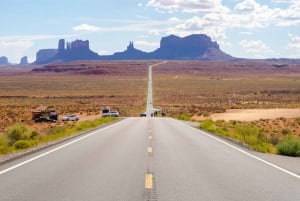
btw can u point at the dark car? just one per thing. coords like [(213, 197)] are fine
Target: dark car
[(143, 114), (44, 119)]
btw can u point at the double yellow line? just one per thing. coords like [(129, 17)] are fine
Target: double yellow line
[(149, 181)]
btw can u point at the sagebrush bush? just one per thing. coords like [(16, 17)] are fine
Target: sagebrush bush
[(22, 144), (19, 132), (208, 125), (15, 133), (289, 147)]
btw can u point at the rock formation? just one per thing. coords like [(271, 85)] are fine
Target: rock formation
[(44, 56), (75, 50), (131, 53), (24, 61), (193, 47), (3, 60)]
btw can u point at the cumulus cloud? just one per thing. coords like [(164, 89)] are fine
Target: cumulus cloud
[(246, 14), (16, 46), (87, 28), (295, 42), (15, 49), (247, 5), (257, 47), (187, 6)]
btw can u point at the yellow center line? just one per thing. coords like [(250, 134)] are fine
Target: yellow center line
[(150, 149), (149, 181), (150, 137)]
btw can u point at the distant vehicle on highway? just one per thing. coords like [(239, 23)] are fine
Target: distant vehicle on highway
[(106, 112), (71, 117)]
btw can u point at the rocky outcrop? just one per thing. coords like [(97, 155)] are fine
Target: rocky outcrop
[(193, 47), (24, 61), (75, 50), (45, 55), (3, 61), (131, 53)]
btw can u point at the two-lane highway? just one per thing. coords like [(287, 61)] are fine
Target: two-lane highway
[(112, 164), (146, 159)]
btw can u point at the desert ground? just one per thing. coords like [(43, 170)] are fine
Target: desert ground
[(217, 90), (256, 114)]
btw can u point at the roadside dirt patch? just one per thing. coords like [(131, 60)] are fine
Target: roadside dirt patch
[(255, 114)]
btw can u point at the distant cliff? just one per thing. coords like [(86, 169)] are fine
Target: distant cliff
[(193, 47), (131, 53), (3, 60), (75, 50), (24, 60), (44, 56)]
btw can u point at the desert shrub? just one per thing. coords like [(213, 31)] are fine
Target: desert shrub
[(245, 131), (184, 117), (15, 133), (208, 125), (57, 129), (285, 131), (22, 144), (289, 147), (3, 145), (19, 132)]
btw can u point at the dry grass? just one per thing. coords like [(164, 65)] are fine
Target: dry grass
[(123, 87), (202, 88)]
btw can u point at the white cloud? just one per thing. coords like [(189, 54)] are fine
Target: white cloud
[(295, 42), (14, 50), (17, 46), (146, 43), (213, 15), (33, 37), (284, 1), (257, 47), (247, 5), (187, 6), (87, 28)]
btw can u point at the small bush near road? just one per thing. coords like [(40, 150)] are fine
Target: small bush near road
[(289, 147), (20, 137), (22, 144), (19, 132), (242, 132)]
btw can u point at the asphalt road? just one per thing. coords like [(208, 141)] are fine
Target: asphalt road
[(148, 159), (145, 159), (149, 104)]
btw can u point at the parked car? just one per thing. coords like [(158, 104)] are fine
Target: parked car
[(143, 114), (114, 113), (106, 112), (71, 117), (44, 119)]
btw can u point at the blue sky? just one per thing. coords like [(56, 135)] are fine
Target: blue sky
[(243, 28)]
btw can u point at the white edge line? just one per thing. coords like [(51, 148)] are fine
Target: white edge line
[(56, 149), (242, 151)]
